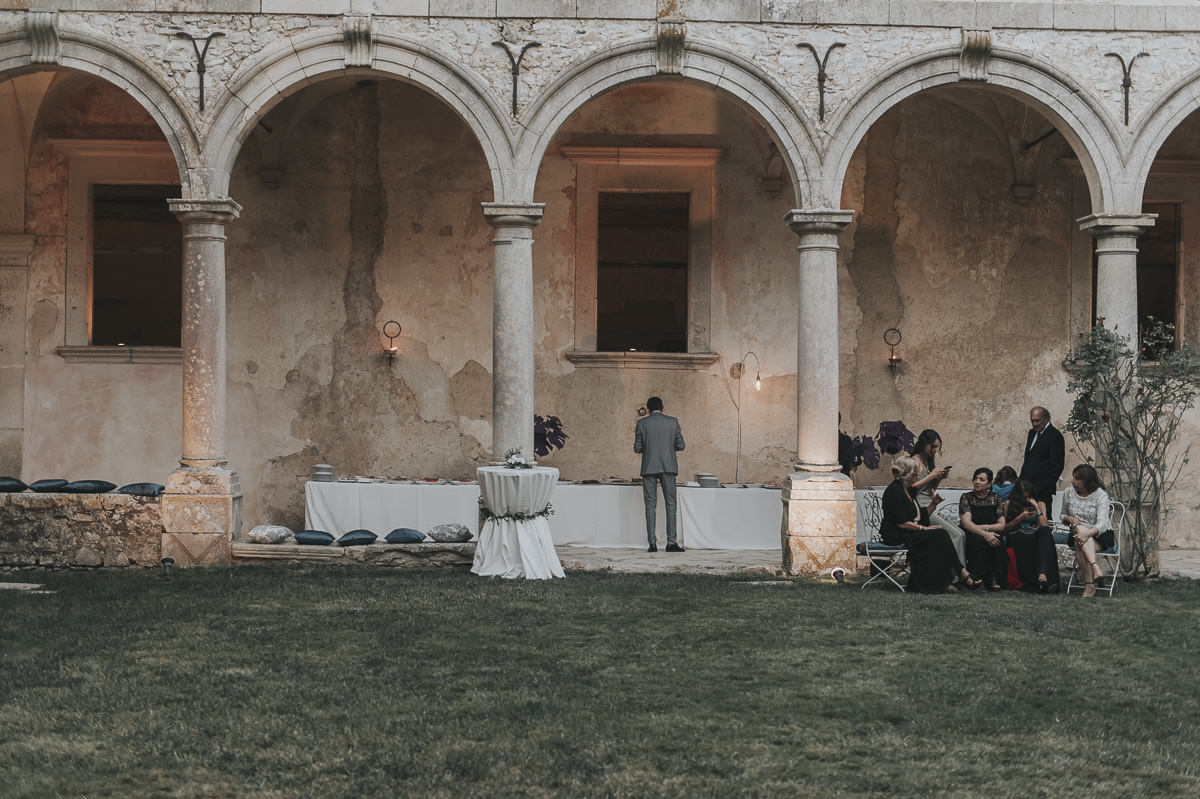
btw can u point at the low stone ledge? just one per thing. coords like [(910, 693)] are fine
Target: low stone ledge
[(402, 556), (79, 530)]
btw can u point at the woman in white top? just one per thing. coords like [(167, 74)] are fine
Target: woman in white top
[(925, 452), (1088, 510)]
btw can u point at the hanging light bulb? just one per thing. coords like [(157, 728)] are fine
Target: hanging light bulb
[(758, 381)]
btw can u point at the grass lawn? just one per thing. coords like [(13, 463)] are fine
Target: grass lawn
[(297, 681)]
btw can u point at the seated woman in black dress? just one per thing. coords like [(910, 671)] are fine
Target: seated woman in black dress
[(933, 564), (979, 513), (1032, 544)]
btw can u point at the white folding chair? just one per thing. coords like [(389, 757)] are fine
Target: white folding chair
[(1110, 557), (885, 561)]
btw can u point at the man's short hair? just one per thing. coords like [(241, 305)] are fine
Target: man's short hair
[(654, 404), (1041, 412)]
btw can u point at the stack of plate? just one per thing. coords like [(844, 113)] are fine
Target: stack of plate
[(322, 473), (707, 480)]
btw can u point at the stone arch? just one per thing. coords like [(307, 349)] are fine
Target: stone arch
[(1068, 107), (291, 65), (703, 63), (1180, 102), (111, 63)]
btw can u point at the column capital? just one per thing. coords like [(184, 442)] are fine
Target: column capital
[(212, 210), (818, 220), (1106, 225), (15, 249), (501, 215)]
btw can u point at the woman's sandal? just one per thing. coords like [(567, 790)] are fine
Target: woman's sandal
[(1089, 589), (970, 582)]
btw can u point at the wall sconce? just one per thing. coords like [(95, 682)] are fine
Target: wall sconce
[(738, 369), (892, 338), (391, 329)]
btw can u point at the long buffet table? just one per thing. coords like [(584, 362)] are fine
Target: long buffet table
[(599, 515), (584, 515)]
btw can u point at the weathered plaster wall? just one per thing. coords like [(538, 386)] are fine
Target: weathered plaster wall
[(116, 422)]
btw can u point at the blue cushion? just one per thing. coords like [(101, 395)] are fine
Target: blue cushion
[(404, 535), (357, 538), (319, 537), (141, 489), (47, 486), (88, 487), (11, 485)]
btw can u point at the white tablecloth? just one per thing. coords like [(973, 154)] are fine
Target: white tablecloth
[(514, 548), (585, 515), (382, 507)]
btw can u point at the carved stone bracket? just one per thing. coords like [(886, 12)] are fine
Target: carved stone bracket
[(976, 49), (358, 32), (672, 33), (43, 33)]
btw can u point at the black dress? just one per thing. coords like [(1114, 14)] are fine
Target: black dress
[(1033, 549), (932, 562), (983, 560)]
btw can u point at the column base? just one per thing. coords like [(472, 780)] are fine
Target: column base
[(819, 518), (201, 513)]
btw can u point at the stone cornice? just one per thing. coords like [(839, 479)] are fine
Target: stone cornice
[(644, 156), (120, 354), (113, 148), (644, 360), (15, 249)]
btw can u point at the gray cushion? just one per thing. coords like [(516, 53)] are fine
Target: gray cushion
[(88, 487), (141, 489), (404, 535), (315, 537), (357, 538), (47, 486), (450, 533), (11, 485)]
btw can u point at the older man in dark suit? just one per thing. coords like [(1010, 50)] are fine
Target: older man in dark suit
[(658, 437), (1045, 451)]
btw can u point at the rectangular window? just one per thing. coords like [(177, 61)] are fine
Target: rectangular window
[(1158, 266), (137, 266), (642, 271)]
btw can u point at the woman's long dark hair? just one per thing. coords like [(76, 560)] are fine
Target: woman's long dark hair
[(1019, 500), (926, 438), (1087, 473)]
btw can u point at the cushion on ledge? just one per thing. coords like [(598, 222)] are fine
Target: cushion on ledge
[(141, 489), (319, 537), (11, 485), (404, 535), (47, 486), (88, 487), (357, 538), (450, 533), (269, 534)]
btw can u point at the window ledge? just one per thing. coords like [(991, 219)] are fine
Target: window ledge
[(644, 360), (140, 354)]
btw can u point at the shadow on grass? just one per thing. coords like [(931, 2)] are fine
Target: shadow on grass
[(301, 681)]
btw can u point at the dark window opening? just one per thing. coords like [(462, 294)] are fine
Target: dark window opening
[(642, 272), (1157, 269), (137, 266)]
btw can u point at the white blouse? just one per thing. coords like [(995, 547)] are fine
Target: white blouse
[(1095, 509)]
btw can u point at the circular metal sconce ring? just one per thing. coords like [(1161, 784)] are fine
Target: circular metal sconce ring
[(892, 336), (389, 327)]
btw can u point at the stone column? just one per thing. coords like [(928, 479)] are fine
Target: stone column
[(202, 505), (1116, 268), (820, 514), (512, 325)]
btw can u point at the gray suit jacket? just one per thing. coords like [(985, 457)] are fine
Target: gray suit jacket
[(657, 437)]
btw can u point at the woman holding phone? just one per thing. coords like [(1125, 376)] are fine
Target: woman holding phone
[(929, 476), (1027, 532)]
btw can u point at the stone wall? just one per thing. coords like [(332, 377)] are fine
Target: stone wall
[(73, 530)]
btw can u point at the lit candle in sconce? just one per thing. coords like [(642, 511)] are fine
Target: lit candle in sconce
[(391, 329)]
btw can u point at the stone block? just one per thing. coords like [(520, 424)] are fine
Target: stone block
[(542, 9), (306, 6), (202, 514), (820, 518), (1014, 14), (1142, 15), (63, 530), (618, 9), (940, 13), (1086, 15), (845, 12), (212, 6), (402, 8), (715, 10), (462, 8), (197, 549)]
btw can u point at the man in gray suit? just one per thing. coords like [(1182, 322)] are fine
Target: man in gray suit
[(657, 437)]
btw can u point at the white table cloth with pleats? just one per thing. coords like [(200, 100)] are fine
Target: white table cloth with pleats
[(510, 547)]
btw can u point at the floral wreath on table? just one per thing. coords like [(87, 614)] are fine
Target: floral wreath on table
[(513, 459)]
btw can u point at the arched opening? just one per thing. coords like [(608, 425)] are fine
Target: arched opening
[(361, 204), (661, 261), (86, 171), (965, 240)]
